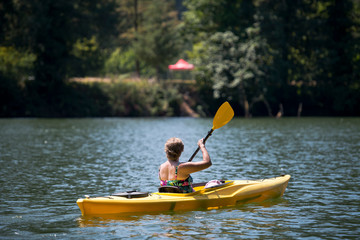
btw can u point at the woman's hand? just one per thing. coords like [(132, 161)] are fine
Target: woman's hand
[(201, 143)]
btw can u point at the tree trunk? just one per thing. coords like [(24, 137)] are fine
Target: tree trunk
[(246, 107), (244, 101), (137, 63), (268, 108), (299, 110), (281, 111)]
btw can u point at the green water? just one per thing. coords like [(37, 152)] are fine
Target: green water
[(47, 164)]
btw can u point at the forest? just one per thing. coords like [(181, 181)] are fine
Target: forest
[(267, 58)]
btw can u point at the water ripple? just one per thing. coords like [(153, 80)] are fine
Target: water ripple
[(46, 164)]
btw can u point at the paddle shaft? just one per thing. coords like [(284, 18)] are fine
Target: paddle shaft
[(197, 150)]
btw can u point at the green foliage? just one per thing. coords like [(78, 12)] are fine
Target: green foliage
[(12, 102), (72, 99), (15, 64), (50, 29), (233, 69), (15, 67), (120, 62), (124, 62), (257, 54), (157, 44), (88, 55), (307, 48), (141, 98), (207, 17)]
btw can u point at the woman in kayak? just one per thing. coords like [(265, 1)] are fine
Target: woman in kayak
[(174, 173)]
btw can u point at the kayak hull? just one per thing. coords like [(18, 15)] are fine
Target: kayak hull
[(229, 194)]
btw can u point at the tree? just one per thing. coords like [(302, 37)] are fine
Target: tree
[(49, 29), (313, 46), (158, 40), (307, 50), (206, 17), (132, 14), (341, 48), (233, 68), (288, 27), (229, 52)]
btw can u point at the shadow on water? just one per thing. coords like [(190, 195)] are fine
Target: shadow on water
[(232, 222), (104, 220)]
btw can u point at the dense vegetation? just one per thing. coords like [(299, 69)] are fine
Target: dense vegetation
[(287, 57)]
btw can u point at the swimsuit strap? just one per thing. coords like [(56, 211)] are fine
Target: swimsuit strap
[(176, 170)]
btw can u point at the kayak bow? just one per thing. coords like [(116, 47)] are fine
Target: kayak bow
[(230, 193)]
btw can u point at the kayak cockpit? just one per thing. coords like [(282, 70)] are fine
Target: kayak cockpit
[(131, 194), (198, 188)]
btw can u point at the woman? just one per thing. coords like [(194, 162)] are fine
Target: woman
[(174, 173)]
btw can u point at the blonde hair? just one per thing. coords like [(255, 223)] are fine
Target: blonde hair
[(173, 148)]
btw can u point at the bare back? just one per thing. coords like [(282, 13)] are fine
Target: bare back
[(167, 170)]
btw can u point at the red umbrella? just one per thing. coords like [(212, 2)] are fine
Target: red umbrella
[(181, 65)]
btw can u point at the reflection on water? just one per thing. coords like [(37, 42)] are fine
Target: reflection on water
[(46, 164), (234, 221), (104, 220)]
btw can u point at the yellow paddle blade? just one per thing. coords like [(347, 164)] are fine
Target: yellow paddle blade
[(223, 115)]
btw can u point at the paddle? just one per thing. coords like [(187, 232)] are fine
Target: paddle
[(223, 115)]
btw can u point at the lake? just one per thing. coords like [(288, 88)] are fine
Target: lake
[(47, 164)]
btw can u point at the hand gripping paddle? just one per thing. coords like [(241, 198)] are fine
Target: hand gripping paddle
[(223, 115)]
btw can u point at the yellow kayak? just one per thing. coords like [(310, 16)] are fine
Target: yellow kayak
[(228, 193)]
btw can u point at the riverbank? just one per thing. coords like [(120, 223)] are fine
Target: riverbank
[(101, 97), (173, 97), (133, 97)]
